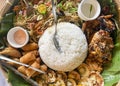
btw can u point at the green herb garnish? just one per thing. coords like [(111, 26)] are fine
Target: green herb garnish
[(91, 7), (6, 24)]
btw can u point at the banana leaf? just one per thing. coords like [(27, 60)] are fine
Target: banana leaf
[(111, 73), (108, 7), (6, 24), (7, 21), (16, 80)]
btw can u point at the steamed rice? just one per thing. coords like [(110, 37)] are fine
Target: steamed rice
[(73, 44)]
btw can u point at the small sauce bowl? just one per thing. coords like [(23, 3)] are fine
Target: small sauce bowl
[(17, 37), (89, 9)]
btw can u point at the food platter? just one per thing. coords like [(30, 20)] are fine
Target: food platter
[(102, 34)]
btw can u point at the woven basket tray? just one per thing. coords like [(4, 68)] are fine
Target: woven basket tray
[(4, 6)]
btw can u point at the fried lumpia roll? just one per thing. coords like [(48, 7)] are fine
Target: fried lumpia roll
[(12, 52), (30, 72), (43, 67), (30, 47), (28, 58), (35, 74), (38, 60), (35, 52), (23, 53), (22, 69)]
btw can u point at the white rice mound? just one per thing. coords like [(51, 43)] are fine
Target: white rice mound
[(73, 45)]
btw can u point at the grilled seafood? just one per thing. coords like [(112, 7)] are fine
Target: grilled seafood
[(74, 75), (94, 79), (84, 70), (51, 78)]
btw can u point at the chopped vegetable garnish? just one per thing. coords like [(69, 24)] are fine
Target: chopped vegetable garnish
[(42, 8)]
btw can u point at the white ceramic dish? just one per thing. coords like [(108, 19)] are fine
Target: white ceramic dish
[(89, 9), (17, 39)]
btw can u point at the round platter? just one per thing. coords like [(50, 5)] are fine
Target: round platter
[(86, 74)]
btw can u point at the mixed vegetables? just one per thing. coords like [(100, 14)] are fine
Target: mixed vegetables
[(102, 35)]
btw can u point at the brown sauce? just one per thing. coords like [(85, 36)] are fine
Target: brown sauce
[(20, 37)]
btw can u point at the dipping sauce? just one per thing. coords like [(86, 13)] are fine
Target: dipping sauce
[(20, 37), (88, 10), (17, 37)]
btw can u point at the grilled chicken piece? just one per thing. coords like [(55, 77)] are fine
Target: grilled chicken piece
[(103, 22), (101, 46), (89, 28)]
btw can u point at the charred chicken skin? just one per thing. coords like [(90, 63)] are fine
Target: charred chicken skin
[(100, 48)]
